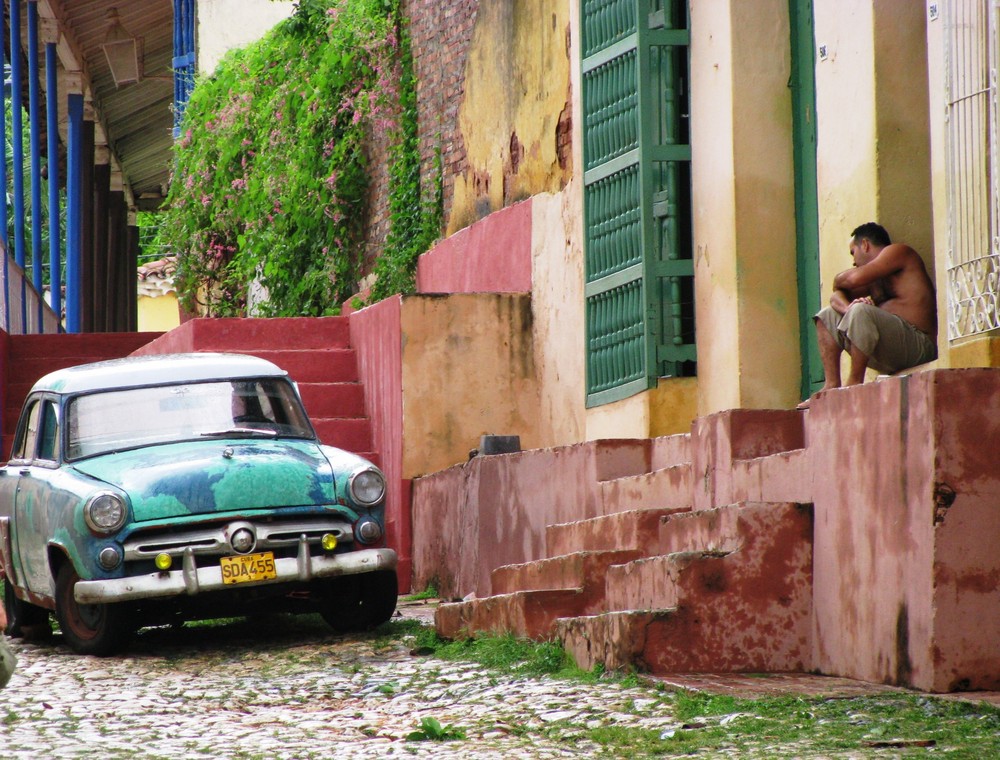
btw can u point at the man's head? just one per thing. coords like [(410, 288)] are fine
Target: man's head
[(866, 241)]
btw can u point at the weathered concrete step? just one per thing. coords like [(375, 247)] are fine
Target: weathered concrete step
[(333, 399), (746, 608), (662, 582), (353, 434), (683, 641), (633, 529), (744, 552), (667, 487), (748, 526), (525, 613), (286, 332), (669, 450), (721, 440), (785, 476), (317, 365), (586, 570)]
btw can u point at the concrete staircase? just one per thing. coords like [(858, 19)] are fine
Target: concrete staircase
[(669, 578), (316, 353)]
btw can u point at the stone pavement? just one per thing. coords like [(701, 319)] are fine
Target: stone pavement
[(289, 688)]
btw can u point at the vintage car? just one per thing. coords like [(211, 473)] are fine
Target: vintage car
[(150, 490)]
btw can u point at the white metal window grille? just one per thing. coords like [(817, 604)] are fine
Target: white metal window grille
[(971, 132)]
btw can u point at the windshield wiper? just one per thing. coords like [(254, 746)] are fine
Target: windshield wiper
[(240, 432)]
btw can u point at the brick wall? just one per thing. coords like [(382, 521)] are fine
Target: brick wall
[(440, 33)]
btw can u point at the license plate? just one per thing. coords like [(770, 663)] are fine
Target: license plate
[(248, 567)]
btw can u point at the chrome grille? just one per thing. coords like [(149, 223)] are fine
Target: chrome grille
[(214, 539)]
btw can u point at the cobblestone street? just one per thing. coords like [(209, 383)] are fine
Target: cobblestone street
[(294, 691)]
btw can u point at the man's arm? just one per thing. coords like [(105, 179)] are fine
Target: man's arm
[(890, 259), (841, 300)]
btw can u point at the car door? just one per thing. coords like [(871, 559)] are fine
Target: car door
[(26, 477)]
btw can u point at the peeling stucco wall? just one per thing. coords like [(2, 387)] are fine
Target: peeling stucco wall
[(468, 370), (515, 116)]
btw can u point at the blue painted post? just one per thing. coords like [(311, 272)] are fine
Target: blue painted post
[(17, 137), (3, 204), (74, 215), (35, 145), (52, 126)]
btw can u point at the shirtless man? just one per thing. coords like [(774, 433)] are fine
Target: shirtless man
[(882, 311)]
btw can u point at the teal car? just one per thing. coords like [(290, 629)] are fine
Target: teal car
[(151, 490)]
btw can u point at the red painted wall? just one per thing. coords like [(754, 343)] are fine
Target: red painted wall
[(376, 336), (491, 256), (492, 510)]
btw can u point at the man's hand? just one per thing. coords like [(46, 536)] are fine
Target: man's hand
[(864, 299)]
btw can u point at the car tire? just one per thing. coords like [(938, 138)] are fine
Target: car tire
[(96, 629), (359, 602), (21, 614)]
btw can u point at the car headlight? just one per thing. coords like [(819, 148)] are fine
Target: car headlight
[(105, 512), (367, 487)]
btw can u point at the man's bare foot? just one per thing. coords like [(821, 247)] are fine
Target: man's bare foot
[(805, 404)]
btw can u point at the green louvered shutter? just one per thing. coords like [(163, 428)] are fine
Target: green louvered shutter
[(637, 196)]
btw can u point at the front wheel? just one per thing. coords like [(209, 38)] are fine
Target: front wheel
[(359, 602), (97, 629), (22, 615)]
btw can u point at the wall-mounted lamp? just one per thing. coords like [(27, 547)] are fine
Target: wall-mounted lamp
[(123, 51)]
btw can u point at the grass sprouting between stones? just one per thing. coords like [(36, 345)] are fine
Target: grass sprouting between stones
[(890, 724)]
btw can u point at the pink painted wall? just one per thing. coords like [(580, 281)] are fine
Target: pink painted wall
[(492, 255), (492, 510), (376, 336), (907, 513)]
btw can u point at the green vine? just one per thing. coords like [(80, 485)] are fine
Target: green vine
[(271, 174)]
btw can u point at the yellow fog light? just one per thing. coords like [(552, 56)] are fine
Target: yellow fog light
[(163, 561), (329, 542)]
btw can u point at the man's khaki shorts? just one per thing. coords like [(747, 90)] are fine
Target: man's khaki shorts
[(890, 342)]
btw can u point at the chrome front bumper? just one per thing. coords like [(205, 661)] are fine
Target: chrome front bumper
[(191, 579)]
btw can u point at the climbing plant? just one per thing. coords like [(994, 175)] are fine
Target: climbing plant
[(271, 173)]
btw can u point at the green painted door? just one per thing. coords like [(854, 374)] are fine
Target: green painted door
[(639, 269), (803, 86)]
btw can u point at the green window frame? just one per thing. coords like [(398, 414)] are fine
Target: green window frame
[(639, 268)]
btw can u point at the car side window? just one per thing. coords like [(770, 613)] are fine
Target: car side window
[(24, 447), (48, 435)]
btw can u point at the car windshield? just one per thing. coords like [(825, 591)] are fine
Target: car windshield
[(124, 419)]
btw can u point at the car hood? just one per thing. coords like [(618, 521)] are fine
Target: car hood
[(201, 477)]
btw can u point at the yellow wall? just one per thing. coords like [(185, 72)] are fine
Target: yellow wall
[(665, 410), (158, 314), (558, 307), (873, 141), (468, 371), (744, 206), (517, 78)]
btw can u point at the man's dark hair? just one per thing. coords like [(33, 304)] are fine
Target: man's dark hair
[(873, 232)]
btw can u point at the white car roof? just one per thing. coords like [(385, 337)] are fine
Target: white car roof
[(160, 369)]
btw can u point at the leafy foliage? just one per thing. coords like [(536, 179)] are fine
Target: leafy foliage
[(430, 729), (271, 169)]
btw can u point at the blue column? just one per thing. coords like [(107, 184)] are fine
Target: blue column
[(184, 58), (52, 126), (74, 215), (17, 135), (3, 203), (35, 144)]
